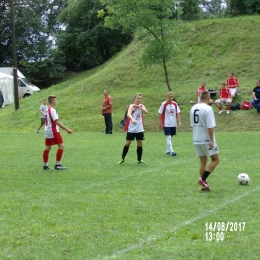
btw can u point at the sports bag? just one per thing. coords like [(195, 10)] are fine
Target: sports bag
[(246, 105)]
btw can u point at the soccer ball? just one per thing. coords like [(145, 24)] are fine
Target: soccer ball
[(243, 179)]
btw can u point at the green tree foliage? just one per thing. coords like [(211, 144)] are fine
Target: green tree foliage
[(85, 41), (35, 27), (152, 20), (212, 8), (243, 7), (190, 10)]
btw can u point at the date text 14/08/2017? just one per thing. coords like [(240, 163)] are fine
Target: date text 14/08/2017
[(225, 226)]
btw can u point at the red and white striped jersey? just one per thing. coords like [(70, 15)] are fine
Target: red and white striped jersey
[(169, 113), (50, 127)]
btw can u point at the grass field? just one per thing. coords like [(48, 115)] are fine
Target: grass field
[(97, 209)]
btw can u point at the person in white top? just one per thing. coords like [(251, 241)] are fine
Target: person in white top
[(169, 113), (135, 128), (203, 123), (43, 109), (52, 134)]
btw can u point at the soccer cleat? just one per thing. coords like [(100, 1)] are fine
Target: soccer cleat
[(220, 112), (59, 167), (168, 153), (37, 131), (173, 154), (46, 168), (204, 184), (204, 188), (121, 161), (141, 162), (227, 111)]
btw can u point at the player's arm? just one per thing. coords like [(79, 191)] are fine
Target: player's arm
[(69, 131), (179, 118), (211, 137), (253, 94), (144, 110), (129, 113), (160, 121)]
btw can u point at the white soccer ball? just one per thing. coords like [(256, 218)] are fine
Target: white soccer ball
[(243, 179)]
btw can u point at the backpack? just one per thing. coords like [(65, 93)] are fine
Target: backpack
[(246, 105), (235, 107)]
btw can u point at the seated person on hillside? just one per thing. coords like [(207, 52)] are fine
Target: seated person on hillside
[(256, 96), (232, 84), (200, 90), (225, 98)]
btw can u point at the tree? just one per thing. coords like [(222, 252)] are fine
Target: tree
[(190, 10), (152, 20), (213, 8), (85, 41), (35, 26)]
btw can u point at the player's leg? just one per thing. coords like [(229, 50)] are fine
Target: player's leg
[(167, 132), (203, 164), (202, 152), (45, 155), (110, 123), (139, 149), (59, 153), (129, 138)]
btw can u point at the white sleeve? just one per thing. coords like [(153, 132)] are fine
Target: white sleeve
[(160, 111)]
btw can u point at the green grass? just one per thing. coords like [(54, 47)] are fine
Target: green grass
[(214, 47), (97, 209)]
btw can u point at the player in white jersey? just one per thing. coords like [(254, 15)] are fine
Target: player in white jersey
[(135, 128), (43, 109), (203, 122), (169, 113), (52, 134)]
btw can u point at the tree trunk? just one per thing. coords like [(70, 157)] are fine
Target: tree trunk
[(166, 75)]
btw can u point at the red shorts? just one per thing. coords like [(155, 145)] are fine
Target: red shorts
[(57, 139)]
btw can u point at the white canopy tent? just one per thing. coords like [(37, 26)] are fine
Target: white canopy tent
[(7, 88)]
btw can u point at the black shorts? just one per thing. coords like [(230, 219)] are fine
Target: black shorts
[(132, 136), (169, 130), (42, 121)]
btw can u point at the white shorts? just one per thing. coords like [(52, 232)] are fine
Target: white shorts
[(203, 149), (233, 91), (224, 101)]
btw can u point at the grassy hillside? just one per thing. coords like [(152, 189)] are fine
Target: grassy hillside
[(214, 48)]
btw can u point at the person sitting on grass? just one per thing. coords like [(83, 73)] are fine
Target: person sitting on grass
[(256, 97), (225, 98)]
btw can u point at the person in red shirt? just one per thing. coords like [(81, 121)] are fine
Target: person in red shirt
[(200, 90), (232, 83), (225, 97), (107, 112)]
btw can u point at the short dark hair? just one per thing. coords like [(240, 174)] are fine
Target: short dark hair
[(50, 98)]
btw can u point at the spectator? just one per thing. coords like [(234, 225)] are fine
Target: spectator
[(225, 98), (256, 96), (232, 83), (107, 112), (200, 90)]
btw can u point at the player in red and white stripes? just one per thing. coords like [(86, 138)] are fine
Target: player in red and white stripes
[(52, 134)]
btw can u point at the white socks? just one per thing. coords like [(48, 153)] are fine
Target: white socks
[(169, 148)]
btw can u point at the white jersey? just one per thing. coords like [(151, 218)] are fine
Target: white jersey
[(43, 108), (137, 115), (201, 118), (50, 127), (169, 113)]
